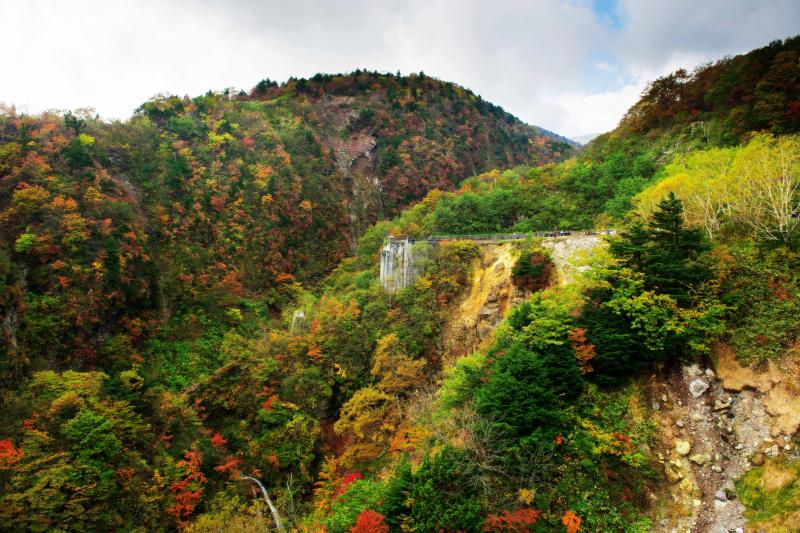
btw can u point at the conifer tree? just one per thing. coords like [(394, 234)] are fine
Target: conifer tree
[(668, 254)]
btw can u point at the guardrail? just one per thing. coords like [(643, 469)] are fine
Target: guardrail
[(517, 236)]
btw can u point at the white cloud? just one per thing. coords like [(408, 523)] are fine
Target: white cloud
[(539, 60), (606, 67), (597, 112)]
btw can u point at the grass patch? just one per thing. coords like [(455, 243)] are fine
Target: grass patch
[(771, 494)]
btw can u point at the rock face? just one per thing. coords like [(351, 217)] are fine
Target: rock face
[(489, 297), (714, 426), (777, 383), (697, 387)]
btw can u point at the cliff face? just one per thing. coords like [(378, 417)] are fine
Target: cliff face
[(485, 304), (492, 292)]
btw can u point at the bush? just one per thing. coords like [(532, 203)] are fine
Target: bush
[(532, 271)]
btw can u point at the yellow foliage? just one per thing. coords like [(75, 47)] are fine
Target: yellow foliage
[(525, 496), (397, 371)]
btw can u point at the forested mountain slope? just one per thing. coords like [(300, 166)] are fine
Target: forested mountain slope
[(171, 321), (110, 230), (717, 105)]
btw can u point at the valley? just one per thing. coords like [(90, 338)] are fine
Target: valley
[(352, 303)]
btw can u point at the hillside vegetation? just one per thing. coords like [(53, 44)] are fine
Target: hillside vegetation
[(194, 296)]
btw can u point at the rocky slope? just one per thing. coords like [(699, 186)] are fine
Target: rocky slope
[(715, 424)]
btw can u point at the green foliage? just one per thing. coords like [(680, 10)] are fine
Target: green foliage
[(762, 290), (438, 496), (360, 495), (532, 372), (771, 495), (25, 243), (669, 255), (533, 270)]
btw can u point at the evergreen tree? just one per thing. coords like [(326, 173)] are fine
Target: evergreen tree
[(668, 254)]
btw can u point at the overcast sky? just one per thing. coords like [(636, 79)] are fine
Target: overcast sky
[(573, 67)]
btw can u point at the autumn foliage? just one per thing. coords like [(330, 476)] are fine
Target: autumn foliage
[(370, 521), (189, 489), (571, 521), (516, 521)]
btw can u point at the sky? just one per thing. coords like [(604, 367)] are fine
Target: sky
[(571, 66)]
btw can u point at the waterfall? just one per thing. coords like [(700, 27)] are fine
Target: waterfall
[(397, 264)]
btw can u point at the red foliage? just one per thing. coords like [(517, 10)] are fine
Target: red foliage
[(345, 481), (268, 402), (218, 441), (518, 520), (29, 424), (218, 203), (284, 277), (189, 489), (622, 438), (315, 352), (370, 521), (230, 464), (9, 454)]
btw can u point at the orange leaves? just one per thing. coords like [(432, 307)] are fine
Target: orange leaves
[(571, 521), (315, 352), (261, 173), (63, 204), (274, 460), (305, 205), (217, 441), (267, 405), (370, 521), (9, 454), (584, 352), (517, 521), (284, 277), (189, 489), (231, 464)]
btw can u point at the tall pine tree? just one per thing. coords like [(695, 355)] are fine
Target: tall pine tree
[(670, 256)]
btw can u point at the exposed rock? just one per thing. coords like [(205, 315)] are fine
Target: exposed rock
[(774, 382), (772, 451), (682, 447), (700, 458), (697, 388), (679, 423), (720, 405), (717, 469), (488, 311), (673, 471), (721, 495), (686, 486)]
